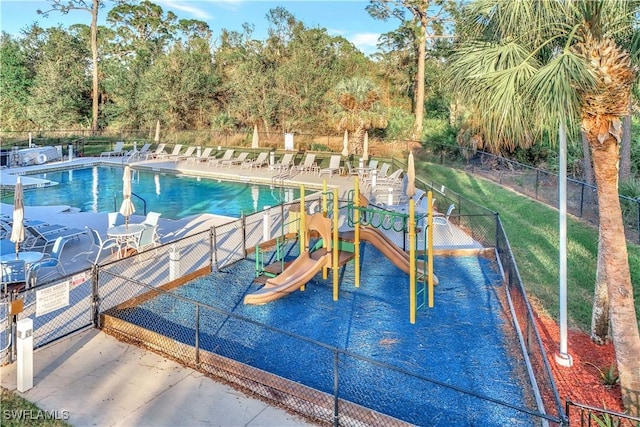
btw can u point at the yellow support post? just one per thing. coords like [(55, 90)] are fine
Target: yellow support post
[(303, 225), (356, 220), (334, 253), (430, 246), (324, 198), (412, 260), (325, 210)]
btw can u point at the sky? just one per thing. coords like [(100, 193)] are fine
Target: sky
[(348, 19)]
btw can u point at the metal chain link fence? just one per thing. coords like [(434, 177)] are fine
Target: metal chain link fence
[(541, 185), (113, 297)]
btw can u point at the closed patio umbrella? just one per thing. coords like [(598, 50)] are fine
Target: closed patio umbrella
[(157, 137), (17, 228), (254, 141), (345, 142), (126, 209), (365, 147), (411, 172)]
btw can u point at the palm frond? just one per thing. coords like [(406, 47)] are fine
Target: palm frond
[(554, 90)]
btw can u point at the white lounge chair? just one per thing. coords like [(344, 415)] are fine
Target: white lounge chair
[(204, 156), (334, 166), (158, 152), (186, 155), (444, 219), (284, 164), (236, 161), (117, 150), (308, 165), (175, 153), (228, 155), (258, 162)]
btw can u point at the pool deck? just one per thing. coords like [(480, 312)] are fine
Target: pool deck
[(102, 381)]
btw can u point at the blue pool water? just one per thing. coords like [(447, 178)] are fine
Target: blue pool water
[(99, 189), (461, 343)]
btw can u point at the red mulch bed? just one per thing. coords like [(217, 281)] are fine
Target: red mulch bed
[(581, 383)]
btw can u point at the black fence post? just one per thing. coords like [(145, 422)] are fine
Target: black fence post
[(95, 297), (581, 199)]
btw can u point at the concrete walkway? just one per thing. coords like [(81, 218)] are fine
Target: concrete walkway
[(101, 381)]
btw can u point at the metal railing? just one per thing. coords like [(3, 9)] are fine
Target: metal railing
[(541, 185), (586, 415)]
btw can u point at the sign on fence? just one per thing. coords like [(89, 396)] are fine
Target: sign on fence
[(52, 298)]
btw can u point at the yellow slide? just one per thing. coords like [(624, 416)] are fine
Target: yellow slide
[(393, 252), (298, 273)]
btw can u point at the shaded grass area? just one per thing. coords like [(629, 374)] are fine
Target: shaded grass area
[(532, 228), (17, 411)]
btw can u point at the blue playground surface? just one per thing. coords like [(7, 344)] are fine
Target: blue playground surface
[(464, 346)]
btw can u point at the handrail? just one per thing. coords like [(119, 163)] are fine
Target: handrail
[(144, 202)]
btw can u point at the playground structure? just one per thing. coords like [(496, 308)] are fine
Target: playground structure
[(334, 249)]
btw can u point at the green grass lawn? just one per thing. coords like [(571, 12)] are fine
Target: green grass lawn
[(17, 411), (532, 229)]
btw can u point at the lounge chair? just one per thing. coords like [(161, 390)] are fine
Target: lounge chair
[(137, 154), (334, 166), (284, 164), (228, 155), (46, 236), (366, 181), (308, 165), (204, 156), (350, 170), (444, 219), (175, 153), (236, 161), (189, 152), (157, 152), (117, 150), (394, 182), (258, 162)]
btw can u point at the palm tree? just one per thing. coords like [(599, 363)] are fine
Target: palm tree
[(530, 67), (358, 109)]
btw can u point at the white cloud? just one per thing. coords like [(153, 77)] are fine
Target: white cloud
[(185, 6), (365, 42)]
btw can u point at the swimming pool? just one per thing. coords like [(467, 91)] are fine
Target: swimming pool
[(99, 189)]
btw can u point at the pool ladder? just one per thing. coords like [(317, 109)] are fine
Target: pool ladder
[(144, 202)]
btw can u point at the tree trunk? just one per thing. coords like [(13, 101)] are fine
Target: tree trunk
[(94, 57), (419, 107), (614, 260), (600, 312), (625, 149)]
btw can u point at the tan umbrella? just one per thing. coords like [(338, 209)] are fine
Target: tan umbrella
[(254, 141), (411, 176), (17, 228), (126, 209), (365, 147), (345, 143), (157, 138)]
